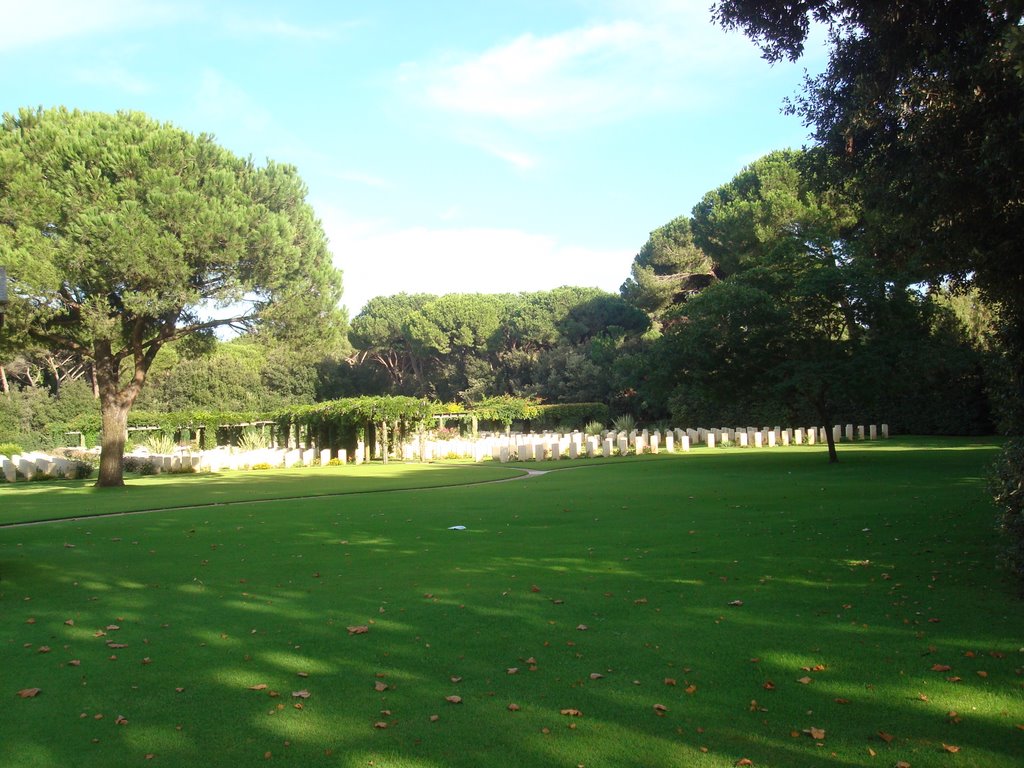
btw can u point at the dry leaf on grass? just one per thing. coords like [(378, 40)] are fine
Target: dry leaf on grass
[(453, 699), (360, 630), (29, 693)]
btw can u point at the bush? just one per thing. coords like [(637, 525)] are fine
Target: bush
[(82, 470), (251, 440), (624, 423), (594, 428), (1007, 485), (335, 463), (261, 465), (160, 443), (10, 449)]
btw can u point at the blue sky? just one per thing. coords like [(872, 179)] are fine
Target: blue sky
[(450, 145)]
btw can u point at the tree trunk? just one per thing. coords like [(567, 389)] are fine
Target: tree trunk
[(4, 387), (114, 419), (384, 441), (825, 416)]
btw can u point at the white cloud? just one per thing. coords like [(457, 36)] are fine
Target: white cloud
[(663, 56), (283, 30), (26, 24), (379, 260)]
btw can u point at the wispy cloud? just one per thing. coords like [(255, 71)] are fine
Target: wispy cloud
[(219, 99), (663, 56), (112, 77), (27, 24), (285, 30)]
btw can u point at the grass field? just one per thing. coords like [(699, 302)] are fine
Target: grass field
[(873, 627)]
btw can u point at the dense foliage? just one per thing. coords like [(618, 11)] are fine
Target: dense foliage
[(122, 235)]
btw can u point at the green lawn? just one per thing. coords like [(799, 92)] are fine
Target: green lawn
[(607, 588)]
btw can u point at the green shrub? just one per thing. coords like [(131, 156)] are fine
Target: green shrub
[(10, 449), (82, 470), (595, 428), (160, 443), (624, 423), (335, 463), (251, 440), (261, 465)]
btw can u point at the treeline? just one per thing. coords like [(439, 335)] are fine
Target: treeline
[(760, 306)]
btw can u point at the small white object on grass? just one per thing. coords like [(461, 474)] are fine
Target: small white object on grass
[(456, 527)]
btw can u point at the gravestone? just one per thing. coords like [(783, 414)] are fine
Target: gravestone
[(325, 457), (758, 439), (849, 433), (623, 446), (607, 447), (684, 444), (343, 456), (771, 438), (655, 442), (873, 432), (710, 438), (812, 435), (360, 452), (538, 451), (744, 440), (885, 431), (860, 432), (837, 433), (798, 436), (8, 468), (670, 442)]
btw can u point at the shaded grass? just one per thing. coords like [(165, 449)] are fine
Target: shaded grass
[(876, 569)]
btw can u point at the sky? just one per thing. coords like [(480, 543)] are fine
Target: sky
[(448, 146)]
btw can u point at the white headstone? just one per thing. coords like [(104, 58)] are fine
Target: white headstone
[(623, 446), (343, 456), (873, 432), (655, 442), (812, 435), (798, 436), (885, 431), (710, 437), (8, 468), (684, 444), (607, 447), (574, 449), (849, 433), (670, 442), (837, 433), (860, 432), (771, 438), (360, 452), (758, 439), (744, 440)]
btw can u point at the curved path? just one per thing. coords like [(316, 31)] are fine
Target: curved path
[(527, 474)]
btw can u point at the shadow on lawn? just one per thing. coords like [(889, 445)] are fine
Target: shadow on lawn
[(224, 600)]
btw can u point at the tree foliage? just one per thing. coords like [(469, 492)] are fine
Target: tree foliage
[(123, 234)]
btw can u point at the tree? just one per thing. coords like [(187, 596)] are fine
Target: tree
[(669, 268), (920, 110), (123, 234)]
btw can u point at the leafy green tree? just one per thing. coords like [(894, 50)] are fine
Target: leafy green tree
[(123, 234), (920, 110), (669, 268)]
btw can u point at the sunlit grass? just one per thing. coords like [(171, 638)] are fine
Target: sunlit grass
[(607, 589)]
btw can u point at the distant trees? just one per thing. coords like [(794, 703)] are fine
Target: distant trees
[(122, 235), (466, 347)]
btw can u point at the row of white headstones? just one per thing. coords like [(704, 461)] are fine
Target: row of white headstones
[(517, 447), (554, 446)]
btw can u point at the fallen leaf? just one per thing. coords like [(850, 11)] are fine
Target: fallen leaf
[(434, 718), (582, 627), (660, 710), (842, 701), (941, 667), (953, 679), (300, 694), (29, 693), (513, 707), (302, 674), (815, 733), (179, 690), (380, 724), (380, 687), (886, 737), (902, 764), (804, 680), (455, 679), (43, 649), (117, 645), (950, 748), (872, 752), (744, 761), (981, 673), (120, 720), (596, 675), (112, 627), (74, 663), (69, 623), (258, 687), (534, 588), (453, 699), (768, 685), (360, 630), (512, 670), (147, 660), (571, 712), (691, 689), (736, 603)]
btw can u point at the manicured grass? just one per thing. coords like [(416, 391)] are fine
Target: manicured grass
[(861, 577), (51, 500)]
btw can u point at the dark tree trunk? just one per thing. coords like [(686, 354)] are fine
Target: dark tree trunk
[(825, 416)]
